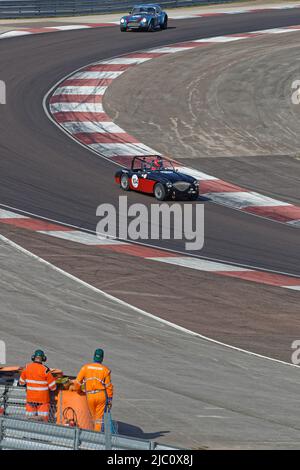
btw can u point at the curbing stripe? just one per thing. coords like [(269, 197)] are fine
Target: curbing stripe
[(244, 200), (76, 108), (5, 215), (110, 150), (105, 138), (81, 90), (201, 265), (93, 127), (80, 237), (91, 75), (71, 116), (220, 39)]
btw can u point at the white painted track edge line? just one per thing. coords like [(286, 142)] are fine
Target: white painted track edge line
[(136, 309)]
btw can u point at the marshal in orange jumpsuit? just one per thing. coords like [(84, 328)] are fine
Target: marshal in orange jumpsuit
[(39, 381), (96, 380)]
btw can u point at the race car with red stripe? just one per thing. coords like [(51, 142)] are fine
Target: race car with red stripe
[(157, 176)]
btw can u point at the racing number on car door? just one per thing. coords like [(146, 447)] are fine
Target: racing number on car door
[(135, 181)]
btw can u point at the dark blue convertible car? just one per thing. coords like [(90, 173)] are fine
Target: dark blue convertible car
[(156, 175), (145, 17)]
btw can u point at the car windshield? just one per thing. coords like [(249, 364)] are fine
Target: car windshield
[(143, 10), (152, 163)]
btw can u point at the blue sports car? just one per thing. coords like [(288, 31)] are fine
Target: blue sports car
[(148, 17)]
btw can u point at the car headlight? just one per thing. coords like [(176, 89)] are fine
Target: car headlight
[(169, 184), (122, 20), (144, 20)]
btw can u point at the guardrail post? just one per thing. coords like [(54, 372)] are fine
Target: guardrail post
[(76, 438), (107, 431), (152, 445), (1, 431)]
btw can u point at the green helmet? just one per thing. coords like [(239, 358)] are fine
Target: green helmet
[(39, 353), (98, 355)]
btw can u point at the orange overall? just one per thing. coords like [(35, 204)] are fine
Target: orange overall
[(38, 380), (98, 388)]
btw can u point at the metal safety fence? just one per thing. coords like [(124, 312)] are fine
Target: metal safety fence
[(23, 434), (19, 432), (50, 8)]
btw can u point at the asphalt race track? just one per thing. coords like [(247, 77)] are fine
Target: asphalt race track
[(71, 182)]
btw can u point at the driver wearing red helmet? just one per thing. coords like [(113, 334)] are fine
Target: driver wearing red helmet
[(157, 164)]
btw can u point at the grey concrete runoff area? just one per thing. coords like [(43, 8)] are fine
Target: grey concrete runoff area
[(169, 386)]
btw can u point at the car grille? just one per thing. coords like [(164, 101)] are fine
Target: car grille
[(133, 24), (181, 185)]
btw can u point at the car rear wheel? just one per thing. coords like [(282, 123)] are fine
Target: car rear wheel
[(124, 183), (165, 24), (160, 192)]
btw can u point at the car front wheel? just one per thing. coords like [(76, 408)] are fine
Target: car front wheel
[(160, 192), (151, 26), (165, 24), (124, 183), (123, 30)]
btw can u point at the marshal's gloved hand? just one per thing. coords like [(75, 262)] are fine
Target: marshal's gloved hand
[(109, 403)]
